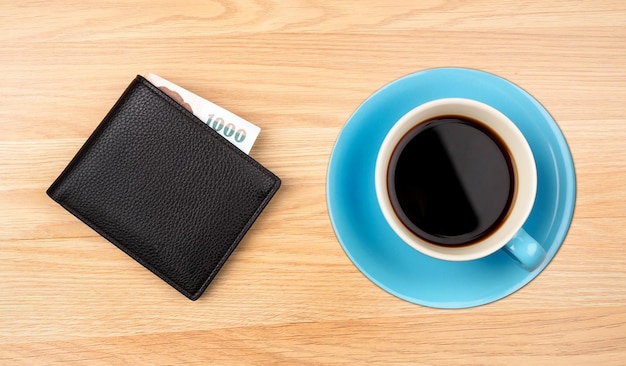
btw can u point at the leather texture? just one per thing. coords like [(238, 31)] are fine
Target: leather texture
[(165, 188)]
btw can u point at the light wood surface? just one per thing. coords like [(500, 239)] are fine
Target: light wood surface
[(298, 69)]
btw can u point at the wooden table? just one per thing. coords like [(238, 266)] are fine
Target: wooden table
[(289, 294)]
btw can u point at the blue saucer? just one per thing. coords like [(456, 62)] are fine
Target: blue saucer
[(381, 255)]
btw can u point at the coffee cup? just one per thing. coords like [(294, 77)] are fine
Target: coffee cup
[(456, 180)]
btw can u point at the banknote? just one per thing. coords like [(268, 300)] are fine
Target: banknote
[(235, 129)]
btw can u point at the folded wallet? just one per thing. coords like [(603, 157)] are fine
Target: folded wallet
[(165, 188)]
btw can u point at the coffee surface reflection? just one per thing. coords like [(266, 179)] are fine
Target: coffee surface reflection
[(451, 180)]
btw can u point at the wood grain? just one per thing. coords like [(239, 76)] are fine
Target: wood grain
[(289, 294)]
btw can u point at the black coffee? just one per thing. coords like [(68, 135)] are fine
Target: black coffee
[(451, 180)]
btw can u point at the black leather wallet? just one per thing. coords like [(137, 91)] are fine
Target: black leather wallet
[(165, 188)]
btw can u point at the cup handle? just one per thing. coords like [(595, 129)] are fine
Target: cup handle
[(525, 250)]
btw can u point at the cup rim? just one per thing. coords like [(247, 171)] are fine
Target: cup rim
[(521, 157)]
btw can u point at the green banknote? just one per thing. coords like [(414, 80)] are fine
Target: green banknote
[(235, 129)]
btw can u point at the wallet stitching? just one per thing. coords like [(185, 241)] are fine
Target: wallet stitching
[(242, 233), (119, 245)]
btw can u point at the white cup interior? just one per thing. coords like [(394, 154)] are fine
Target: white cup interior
[(521, 158)]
